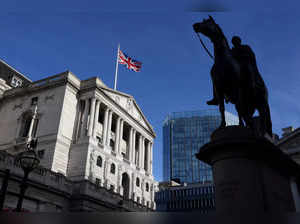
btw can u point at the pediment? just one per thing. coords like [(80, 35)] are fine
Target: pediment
[(129, 104)]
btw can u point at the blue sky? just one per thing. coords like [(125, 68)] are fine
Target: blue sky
[(44, 39)]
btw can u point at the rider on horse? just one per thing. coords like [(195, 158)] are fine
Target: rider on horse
[(246, 59)]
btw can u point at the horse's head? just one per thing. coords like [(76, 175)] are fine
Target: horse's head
[(207, 27)]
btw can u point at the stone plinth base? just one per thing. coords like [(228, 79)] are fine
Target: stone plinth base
[(250, 173)]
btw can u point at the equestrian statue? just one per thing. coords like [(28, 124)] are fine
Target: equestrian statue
[(236, 79)]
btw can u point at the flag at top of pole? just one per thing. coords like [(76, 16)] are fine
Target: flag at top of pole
[(130, 63)]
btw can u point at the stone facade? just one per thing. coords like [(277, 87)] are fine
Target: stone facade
[(85, 131), (12, 77), (290, 143), (53, 192)]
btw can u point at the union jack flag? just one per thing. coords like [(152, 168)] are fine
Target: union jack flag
[(129, 62)]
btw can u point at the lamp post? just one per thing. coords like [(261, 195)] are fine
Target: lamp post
[(28, 161), (4, 188)]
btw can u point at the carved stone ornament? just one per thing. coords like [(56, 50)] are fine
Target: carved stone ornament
[(18, 106), (129, 105), (117, 99), (50, 97)]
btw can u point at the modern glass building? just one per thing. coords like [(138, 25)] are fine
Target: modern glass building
[(183, 135)]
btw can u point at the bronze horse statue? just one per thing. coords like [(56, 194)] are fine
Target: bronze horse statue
[(232, 84)]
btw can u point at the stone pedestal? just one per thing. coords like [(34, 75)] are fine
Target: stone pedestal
[(250, 173)]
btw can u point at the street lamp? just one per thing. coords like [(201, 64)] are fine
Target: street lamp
[(28, 161)]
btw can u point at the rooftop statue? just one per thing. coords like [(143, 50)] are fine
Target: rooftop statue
[(236, 78)]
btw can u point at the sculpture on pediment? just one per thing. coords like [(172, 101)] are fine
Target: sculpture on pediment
[(129, 105), (117, 99), (236, 78)]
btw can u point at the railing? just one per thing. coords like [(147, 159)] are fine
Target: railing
[(21, 140), (48, 80), (126, 160), (40, 174)]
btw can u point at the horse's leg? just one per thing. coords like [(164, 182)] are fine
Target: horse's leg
[(222, 110), (262, 115), (238, 109), (268, 120)]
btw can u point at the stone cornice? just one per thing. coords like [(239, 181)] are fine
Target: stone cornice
[(13, 69), (288, 137), (68, 78)]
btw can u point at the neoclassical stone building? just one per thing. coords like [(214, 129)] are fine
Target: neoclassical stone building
[(85, 131)]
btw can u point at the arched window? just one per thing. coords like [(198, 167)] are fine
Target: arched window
[(99, 161), (113, 168), (26, 120), (147, 187), (137, 182), (25, 126)]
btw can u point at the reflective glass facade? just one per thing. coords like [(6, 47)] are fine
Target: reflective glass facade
[(183, 135)]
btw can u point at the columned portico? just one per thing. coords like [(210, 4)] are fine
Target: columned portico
[(77, 136)]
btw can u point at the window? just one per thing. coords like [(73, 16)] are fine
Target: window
[(147, 187), (137, 182), (15, 82), (112, 168), (99, 139), (41, 154), (99, 161), (26, 126), (112, 187), (34, 101), (98, 182), (112, 144), (27, 119)]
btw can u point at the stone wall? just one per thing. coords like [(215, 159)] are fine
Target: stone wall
[(50, 192)]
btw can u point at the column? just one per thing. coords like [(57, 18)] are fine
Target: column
[(31, 124), (96, 117), (133, 186), (104, 129), (140, 151), (121, 135), (85, 117), (151, 158), (133, 146), (148, 157), (92, 116), (78, 120), (117, 135), (108, 127), (130, 148)]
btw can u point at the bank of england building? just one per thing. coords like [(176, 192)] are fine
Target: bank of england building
[(94, 143)]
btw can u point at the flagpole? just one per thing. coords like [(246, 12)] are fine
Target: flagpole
[(116, 74)]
